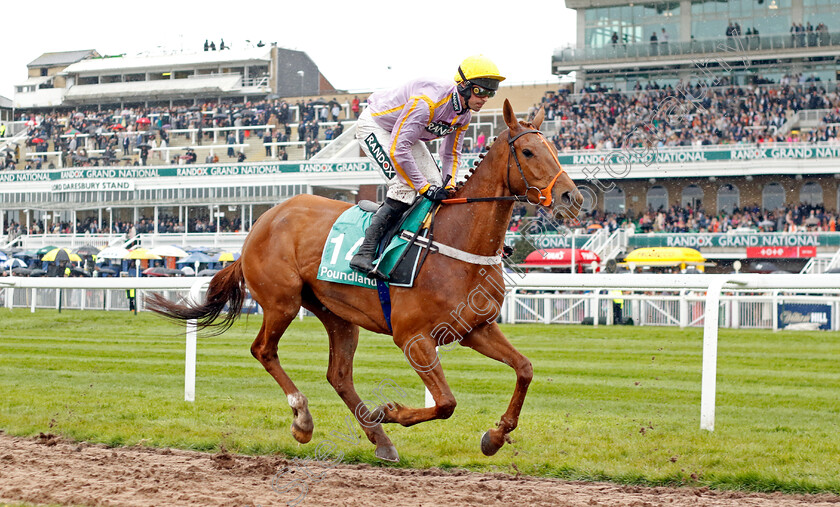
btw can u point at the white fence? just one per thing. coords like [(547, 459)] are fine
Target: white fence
[(682, 300)]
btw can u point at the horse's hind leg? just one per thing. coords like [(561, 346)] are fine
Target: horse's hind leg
[(344, 337), (264, 349), (490, 341)]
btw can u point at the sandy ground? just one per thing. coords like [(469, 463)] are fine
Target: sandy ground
[(49, 470)]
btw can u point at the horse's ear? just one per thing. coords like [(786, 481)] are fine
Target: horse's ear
[(539, 118), (510, 118)]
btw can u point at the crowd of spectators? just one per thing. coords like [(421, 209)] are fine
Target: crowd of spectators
[(598, 118), (140, 136), (90, 225), (676, 219), (685, 219)]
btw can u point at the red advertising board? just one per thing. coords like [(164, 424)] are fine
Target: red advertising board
[(781, 252)]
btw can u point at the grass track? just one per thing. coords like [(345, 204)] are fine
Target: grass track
[(612, 403)]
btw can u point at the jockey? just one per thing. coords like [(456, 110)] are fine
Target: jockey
[(392, 131)]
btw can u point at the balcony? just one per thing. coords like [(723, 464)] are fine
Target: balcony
[(802, 44)]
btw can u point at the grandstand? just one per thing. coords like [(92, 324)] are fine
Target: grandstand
[(691, 139)]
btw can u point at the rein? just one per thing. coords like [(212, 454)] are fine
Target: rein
[(545, 197)]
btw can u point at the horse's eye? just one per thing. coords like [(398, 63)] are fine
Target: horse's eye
[(528, 153)]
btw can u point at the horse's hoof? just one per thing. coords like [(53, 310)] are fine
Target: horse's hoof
[(301, 435), (387, 453), (488, 447)]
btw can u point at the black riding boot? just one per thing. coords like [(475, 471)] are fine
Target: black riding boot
[(387, 214)]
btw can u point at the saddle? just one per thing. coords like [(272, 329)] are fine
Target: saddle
[(399, 254)]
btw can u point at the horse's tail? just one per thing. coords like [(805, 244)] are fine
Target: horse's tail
[(226, 288)]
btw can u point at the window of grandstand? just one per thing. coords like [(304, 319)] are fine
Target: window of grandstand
[(729, 198), (657, 197), (820, 12), (631, 23), (615, 201), (811, 193), (773, 196), (692, 197), (710, 18)]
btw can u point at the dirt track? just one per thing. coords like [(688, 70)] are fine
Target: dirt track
[(49, 470)]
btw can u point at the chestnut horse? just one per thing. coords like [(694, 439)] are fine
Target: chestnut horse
[(452, 300)]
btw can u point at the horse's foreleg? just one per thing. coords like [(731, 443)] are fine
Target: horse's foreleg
[(264, 349), (490, 341), (344, 337), (421, 355)]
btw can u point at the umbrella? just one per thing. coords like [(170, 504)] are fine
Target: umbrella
[(36, 272), (37, 140), (61, 254), (228, 256), (25, 255), (72, 132), (87, 250), (21, 271), (107, 270), (44, 249), (144, 120), (762, 267), (116, 126), (112, 252), (13, 263), (3, 256), (141, 253), (144, 145), (79, 115), (168, 251), (208, 272), (195, 257), (161, 271), (79, 272), (188, 270)]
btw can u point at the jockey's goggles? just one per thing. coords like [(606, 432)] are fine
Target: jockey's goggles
[(478, 91)]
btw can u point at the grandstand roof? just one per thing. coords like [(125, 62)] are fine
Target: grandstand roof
[(164, 88), (5, 103), (62, 58), (124, 63)]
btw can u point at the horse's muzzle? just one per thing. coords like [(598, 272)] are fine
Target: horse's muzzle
[(569, 203)]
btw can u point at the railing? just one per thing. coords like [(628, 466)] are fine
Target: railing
[(725, 45)]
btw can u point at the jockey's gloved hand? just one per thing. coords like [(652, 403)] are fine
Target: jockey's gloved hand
[(436, 193)]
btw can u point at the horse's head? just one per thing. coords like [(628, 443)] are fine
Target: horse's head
[(534, 170)]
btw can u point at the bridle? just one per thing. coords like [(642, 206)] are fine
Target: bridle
[(544, 195)]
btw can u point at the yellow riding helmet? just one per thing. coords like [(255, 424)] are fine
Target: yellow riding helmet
[(480, 70)]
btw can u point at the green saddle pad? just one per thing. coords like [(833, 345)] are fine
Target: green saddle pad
[(346, 237)]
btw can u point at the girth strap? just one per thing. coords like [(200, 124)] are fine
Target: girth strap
[(484, 260)]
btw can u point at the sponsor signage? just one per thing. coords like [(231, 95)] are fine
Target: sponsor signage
[(780, 252), (620, 157), (183, 171), (769, 239), (547, 240), (804, 317)]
